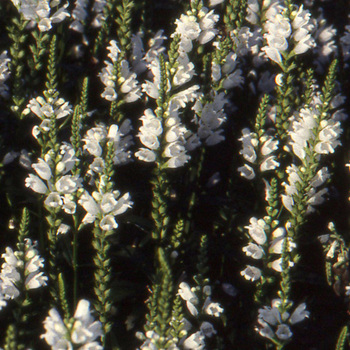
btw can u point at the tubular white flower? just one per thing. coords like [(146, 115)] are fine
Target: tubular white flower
[(256, 230), (247, 171), (195, 341), (207, 329), (253, 250), (251, 273), (36, 184)]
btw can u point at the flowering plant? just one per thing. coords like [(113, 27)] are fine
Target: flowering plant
[(166, 169)]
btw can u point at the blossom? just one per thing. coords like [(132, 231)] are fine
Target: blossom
[(151, 88), (246, 171), (253, 250), (251, 273), (189, 296), (39, 11), (195, 341), (96, 137), (36, 184), (81, 329), (213, 309), (184, 72), (97, 10), (256, 230), (250, 144), (207, 329)]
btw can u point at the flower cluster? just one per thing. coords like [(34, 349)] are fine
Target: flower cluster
[(257, 152), (141, 59), (264, 247), (174, 137), (275, 323), (40, 12), (227, 73), (79, 15), (45, 109), (281, 32), (314, 196), (150, 130), (4, 73), (104, 207), (209, 308), (20, 271), (96, 138), (118, 72), (306, 128), (191, 27), (54, 181), (345, 43), (80, 332), (211, 117), (97, 10)]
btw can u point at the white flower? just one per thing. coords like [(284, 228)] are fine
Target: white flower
[(251, 273), (283, 332), (145, 155), (63, 229), (46, 109), (189, 30), (68, 184), (233, 80), (256, 230), (207, 329), (185, 71), (42, 169), (299, 314), (253, 250), (247, 171), (276, 324), (85, 329), (108, 205), (186, 293), (195, 342), (213, 309), (53, 200), (36, 184), (207, 23), (108, 223)]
